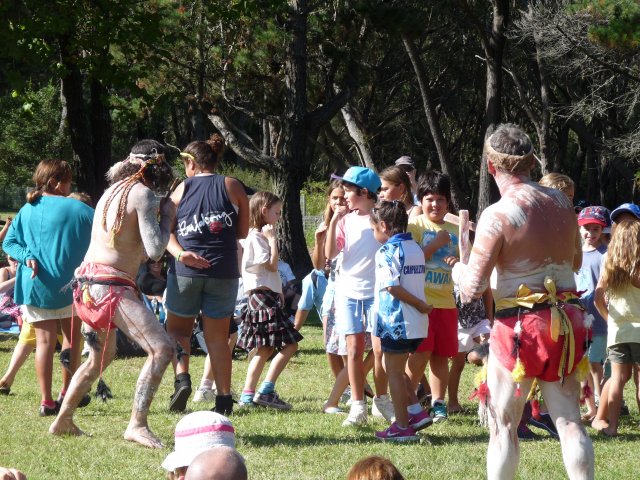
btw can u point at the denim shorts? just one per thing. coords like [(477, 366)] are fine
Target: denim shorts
[(404, 345), (598, 349), (352, 316), (214, 297)]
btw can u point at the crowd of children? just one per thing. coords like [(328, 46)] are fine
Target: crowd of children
[(382, 285)]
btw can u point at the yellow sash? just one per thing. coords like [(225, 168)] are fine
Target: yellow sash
[(560, 321)]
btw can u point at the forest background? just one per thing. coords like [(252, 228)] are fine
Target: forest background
[(301, 88)]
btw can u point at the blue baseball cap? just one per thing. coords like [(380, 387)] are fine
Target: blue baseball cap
[(361, 177), (631, 208)]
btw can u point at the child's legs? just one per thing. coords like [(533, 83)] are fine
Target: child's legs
[(20, 354), (395, 364), (379, 374), (46, 338), (620, 375), (216, 336), (180, 329), (597, 355), (71, 340), (438, 376), (601, 419), (342, 380), (280, 361), (636, 379), (256, 365), (416, 365), (457, 366), (335, 363), (355, 365)]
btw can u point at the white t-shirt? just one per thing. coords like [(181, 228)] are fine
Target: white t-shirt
[(399, 262), (358, 271), (254, 274)]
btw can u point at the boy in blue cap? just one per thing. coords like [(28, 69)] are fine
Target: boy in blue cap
[(350, 232)]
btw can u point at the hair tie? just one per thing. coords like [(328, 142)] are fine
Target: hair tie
[(187, 155)]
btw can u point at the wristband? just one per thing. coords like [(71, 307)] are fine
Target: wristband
[(178, 256)]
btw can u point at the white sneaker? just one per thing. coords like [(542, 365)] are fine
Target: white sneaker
[(357, 415), (204, 395), (382, 407)]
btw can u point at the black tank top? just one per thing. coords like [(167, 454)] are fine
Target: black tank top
[(207, 223)]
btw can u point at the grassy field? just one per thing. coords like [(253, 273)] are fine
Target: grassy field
[(302, 444)]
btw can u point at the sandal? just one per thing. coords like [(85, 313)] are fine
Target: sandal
[(4, 390)]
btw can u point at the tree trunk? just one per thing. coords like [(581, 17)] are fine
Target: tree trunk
[(434, 125), (100, 118), (494, 50), (356, 132)]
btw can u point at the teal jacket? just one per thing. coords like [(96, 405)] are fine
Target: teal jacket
[(55, 231)]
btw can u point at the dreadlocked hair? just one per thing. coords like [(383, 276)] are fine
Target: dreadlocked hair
[(48, 174), (145, 164), (623, 257), (393, 214)]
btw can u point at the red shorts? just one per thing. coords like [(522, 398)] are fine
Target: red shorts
[(98, 312), (539, 354), (442, 339)]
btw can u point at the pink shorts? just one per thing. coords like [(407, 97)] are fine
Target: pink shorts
[(442, 339), (539, 354)]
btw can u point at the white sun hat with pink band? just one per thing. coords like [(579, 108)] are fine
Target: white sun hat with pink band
[(197, 432)]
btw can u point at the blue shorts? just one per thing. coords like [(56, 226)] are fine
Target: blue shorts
[(403, 345), (352, 316), (598, 349), (188, 296)]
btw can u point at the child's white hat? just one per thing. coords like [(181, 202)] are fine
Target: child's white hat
[(197, 432)]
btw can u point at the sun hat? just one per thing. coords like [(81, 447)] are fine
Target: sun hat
[(405, 160), (361, 177), (197, 432), (591, 215), (631, 208)]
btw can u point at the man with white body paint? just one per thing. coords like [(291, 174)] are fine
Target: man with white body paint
[(531, 238)]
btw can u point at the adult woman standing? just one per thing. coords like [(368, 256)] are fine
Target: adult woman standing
[(49, 238), (212, 214)]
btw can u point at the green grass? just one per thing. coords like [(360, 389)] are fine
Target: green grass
[(302, 444)]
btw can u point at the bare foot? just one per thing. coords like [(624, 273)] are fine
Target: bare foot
[(143, 436), (609, 432), (455, 408), (599, 424), (65, 427)]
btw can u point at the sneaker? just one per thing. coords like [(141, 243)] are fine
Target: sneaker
[(178, 401), (545, 423), (439, 412), (420, 420), (525, 433), (243, 405), (204, 395), (271, 400), (382, 407), (396, 434), (49, 412), (84, 401), (357, 416)]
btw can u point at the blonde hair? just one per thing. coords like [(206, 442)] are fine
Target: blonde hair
[(49, 173), (558, 181), (623, 257), (259, 201), (398, 176), (328, 211)]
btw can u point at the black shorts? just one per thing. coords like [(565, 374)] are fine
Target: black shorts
[(389, 345)]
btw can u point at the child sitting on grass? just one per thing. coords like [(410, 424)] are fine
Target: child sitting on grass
[(401, 321)]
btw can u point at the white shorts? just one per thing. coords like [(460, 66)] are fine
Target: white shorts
[(33, 314), (466, 335)]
